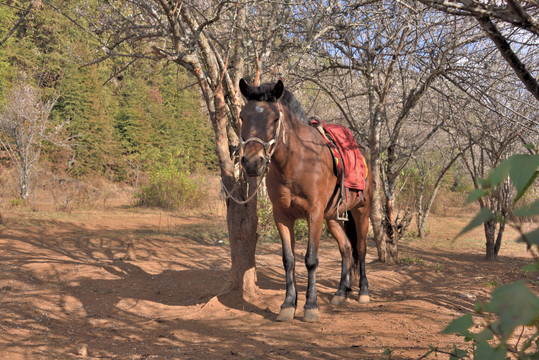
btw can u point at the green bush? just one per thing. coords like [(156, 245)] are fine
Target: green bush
[(512, 306), (171, 186), (267, 230)]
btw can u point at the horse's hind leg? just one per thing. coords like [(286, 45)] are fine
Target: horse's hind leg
[(345, 249), (361, 222), (286, 231)]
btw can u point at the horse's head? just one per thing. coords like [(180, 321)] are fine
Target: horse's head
[(261, 125)]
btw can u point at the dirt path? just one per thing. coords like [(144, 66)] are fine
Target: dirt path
[(64, 292)]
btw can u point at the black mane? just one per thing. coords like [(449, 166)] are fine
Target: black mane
[(264, 93)]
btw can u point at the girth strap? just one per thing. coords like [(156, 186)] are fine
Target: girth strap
[(340, 170)]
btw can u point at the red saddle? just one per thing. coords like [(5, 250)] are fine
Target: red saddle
[(355, 165)]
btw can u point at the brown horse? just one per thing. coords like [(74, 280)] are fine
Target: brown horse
[(301, 184)]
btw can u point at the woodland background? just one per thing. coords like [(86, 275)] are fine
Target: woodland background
[(119, 128), (141, 96), (144, 93)]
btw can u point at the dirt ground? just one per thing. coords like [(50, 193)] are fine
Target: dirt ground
[(65, 292)]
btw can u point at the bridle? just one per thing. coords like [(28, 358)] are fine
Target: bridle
[(267, 144), (267, 153)]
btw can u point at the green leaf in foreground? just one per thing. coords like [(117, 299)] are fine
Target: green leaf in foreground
[(460, 326), (484, 215), (531, 238), (515, 305), (474, 195), (485, 352), (528, 210), (523, 171), (498, 174)]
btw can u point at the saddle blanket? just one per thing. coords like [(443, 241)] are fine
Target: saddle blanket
[(355, 165)]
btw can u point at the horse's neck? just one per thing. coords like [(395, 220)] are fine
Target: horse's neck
[(295, 137)]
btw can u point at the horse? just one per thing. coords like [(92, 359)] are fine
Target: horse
[(277, 139)]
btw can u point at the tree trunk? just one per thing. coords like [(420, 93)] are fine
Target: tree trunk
[(391, 235), (375, 127), (490, 231), (242, 223), (23, 184), (498, 243), (376, 216), (421, 219), (241, 219), (377, 211)]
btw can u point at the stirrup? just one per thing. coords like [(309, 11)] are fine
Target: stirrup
[(344, 216)]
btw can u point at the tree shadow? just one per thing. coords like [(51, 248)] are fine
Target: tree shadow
[(85, 294)]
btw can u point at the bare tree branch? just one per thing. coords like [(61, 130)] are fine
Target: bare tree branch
[(19, 22)]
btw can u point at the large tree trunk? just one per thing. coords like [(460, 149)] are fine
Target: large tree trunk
[(375, 127), (242, 222), (242, 219)]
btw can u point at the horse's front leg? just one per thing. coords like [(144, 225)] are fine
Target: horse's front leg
[(311, 262), (286, 231)]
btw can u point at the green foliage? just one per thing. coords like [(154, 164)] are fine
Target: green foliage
[(115, 124), (484, 215), (267, 231), (171, 186), (18, 202), (87, 103), (410, 260), (522, 170), (414, 173), (512, 305), (7, 15)]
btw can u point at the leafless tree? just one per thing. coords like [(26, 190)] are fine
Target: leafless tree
[(488, 129), (431, 164), (512, 25), (22, 16), (378, 61), (218, 42), (24, 126)]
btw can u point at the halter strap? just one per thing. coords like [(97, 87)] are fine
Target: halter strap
[(268, 154)]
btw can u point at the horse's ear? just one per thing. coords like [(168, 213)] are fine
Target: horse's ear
[(244, 88), (278, 90)]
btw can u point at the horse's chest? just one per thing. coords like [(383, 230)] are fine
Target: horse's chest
[(288, 199)]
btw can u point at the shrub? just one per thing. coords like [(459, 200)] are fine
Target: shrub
[(514, 305), (171, 186), (267, 230)]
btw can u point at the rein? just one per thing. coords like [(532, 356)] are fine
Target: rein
[(268, 155)]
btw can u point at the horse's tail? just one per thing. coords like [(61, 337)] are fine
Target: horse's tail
[(351, 232)]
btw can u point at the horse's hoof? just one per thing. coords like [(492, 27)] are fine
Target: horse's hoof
[(311, 315), (338, 300), (364, 299), (286, 314)]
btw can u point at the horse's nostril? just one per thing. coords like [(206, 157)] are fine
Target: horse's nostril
[(260, 159)]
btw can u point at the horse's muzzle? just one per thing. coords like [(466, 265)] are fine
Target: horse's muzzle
[(253, 166)]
